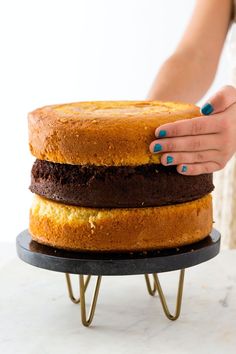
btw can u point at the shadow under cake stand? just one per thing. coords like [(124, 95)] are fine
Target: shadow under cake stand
[(118, 263)]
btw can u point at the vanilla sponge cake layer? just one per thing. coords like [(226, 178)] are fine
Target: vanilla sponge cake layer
[(102, 133), (119, 229)]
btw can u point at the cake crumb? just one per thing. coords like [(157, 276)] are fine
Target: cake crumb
[(92, 225)]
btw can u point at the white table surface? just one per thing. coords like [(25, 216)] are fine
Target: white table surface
[(36, 316)]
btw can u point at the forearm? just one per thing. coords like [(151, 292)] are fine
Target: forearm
[(181, 78), (189, 72)]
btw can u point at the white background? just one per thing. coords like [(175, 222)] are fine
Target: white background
[(63, 51)]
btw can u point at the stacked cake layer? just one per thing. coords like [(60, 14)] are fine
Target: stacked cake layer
[(99, 188)]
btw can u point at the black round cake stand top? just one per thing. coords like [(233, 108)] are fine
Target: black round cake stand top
[(124, 263)]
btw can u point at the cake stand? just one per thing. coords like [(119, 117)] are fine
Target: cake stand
[(118, 263)]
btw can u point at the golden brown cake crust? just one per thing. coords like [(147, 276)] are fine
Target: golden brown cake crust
[(102, 132), (90, 229)]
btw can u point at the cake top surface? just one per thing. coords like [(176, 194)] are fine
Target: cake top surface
[(110, 109), (102, 132)]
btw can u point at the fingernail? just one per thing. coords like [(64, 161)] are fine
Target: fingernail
[(184, 168), (162, 134), (207, 109), (169, 159), (157, 148)]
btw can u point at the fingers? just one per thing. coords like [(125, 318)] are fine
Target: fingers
[(198, 168), (203, 144), (182, 158), (194, 126), (187, 143), (224, 98)]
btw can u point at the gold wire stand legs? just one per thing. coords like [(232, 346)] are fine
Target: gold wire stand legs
[(152, 290), (83, 286), (157, 288)]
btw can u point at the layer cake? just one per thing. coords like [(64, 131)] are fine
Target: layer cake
[(99, 188)]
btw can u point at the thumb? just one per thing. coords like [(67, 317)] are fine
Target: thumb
[(224, 98)]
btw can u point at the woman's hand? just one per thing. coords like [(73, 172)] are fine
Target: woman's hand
[(203, 144)]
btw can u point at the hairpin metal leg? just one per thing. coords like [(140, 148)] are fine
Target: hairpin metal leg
[(179, 296), (83, 286), (86, 322), (69, 287), (151, 290)]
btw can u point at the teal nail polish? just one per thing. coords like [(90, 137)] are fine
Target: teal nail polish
[(169, 159), (157, 148), (162, 134), (207, 109), (184, 168)]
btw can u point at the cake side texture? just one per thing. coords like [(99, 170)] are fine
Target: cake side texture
[(133, 229), (108, 133)]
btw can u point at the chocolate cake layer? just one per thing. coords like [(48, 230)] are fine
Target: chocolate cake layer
[(116, 186)]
